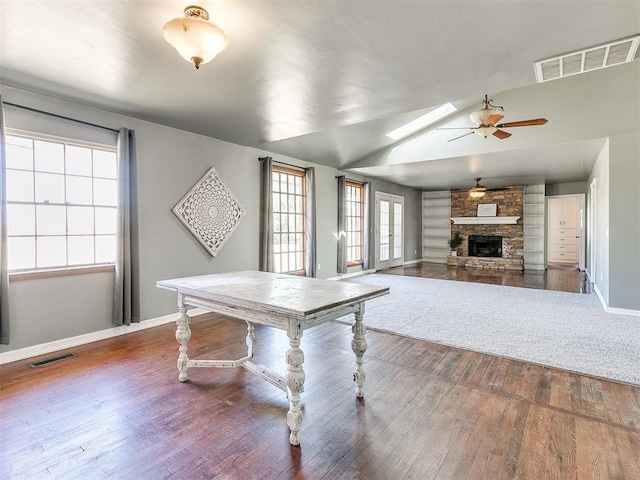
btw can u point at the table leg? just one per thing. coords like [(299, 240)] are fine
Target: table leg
[(294, 378), (359, 346), (183, 335), (251, 338)]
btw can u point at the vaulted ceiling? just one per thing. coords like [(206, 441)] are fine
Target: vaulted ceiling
[(323, 81)]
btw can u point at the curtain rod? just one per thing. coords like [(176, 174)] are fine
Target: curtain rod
[(284, 163), (55, 115), (351, 179)]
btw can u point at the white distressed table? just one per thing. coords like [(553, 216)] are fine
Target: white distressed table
[(287, 302)]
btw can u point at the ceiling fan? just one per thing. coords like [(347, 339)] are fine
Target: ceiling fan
[(478, 190), (486, 120)]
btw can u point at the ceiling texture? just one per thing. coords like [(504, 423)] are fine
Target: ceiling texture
[(322, 81)]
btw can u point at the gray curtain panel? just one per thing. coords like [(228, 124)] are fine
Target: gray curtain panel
[(4, 271), (367, 226), (266, 215), (342, 240), (126, 295), (310, 209)]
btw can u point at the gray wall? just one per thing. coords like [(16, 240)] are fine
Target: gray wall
[(568, 188), (170, 161), (51, 309), (624, 221)]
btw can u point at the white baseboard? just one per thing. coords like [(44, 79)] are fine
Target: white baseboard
[(608, 309), (352, 274), (411, 262), (622, 311), (49, 347)]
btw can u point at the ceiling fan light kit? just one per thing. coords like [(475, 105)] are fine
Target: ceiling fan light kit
[(478, 191), (486, 122), (196, 39), (489, 115)]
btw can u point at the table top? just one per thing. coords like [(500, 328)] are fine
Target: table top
[(286, 294)]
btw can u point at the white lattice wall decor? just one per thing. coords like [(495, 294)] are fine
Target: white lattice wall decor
[(210, 211)]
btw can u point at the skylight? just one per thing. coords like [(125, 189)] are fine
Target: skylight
[(413, 126), (593, 58)]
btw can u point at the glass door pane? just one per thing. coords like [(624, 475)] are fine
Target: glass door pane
[(384, 231), (397, 230)]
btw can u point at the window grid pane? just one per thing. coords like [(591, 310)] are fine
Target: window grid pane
[(56, 217), (397, 230), (384, 230), (288, 220), (354, 220)]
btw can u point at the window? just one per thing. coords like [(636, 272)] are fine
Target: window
[(288, 220), (61, 203), (354, 221)]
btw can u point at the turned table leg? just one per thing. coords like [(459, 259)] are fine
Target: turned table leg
[(251, 339), (359, 346), (294, 378), (183, 335)]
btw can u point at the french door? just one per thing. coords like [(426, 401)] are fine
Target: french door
[(389, 231)]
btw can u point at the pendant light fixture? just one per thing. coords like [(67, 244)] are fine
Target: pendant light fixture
[(196, 39)]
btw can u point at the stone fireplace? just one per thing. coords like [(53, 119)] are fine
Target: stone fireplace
[(497, 243)]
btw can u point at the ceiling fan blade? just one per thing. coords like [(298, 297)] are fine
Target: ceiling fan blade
[(470, 133), (492, 119), (456, 128), (523, 123), (501, 134)]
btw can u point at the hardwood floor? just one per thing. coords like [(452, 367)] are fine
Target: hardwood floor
[(565, 279), (118, 411)]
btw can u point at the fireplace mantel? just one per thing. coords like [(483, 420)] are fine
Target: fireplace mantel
[(484, 220)]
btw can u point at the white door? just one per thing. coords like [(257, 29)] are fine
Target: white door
[(389, 231), (566, 230)]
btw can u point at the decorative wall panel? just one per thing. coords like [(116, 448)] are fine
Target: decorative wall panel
[(210, 211)]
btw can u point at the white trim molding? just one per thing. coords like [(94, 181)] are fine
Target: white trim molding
[(484, 220), (65, 343), (353, 274), (616, 310), (412, 262)]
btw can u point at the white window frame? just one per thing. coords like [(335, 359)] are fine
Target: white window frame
[(295, 250), (354, 222), (42, 271)]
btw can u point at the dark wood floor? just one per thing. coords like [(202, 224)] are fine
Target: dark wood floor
[(117, 411), (565, 279)]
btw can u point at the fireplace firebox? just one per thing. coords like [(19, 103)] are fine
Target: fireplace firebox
[(485, 246)]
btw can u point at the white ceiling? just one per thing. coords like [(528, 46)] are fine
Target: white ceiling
[(320, 80)]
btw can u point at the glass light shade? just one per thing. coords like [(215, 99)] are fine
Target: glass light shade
[(196, 40), (476, 193), (480, 117), (485, 131)]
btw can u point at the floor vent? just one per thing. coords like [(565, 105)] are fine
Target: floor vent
[(47, 361), (593, 58)]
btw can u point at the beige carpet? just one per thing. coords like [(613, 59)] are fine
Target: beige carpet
[(565, 330)]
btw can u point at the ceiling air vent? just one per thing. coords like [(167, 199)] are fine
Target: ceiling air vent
[(593, 58)]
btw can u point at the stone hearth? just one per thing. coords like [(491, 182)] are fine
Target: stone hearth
[(486, 263)]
